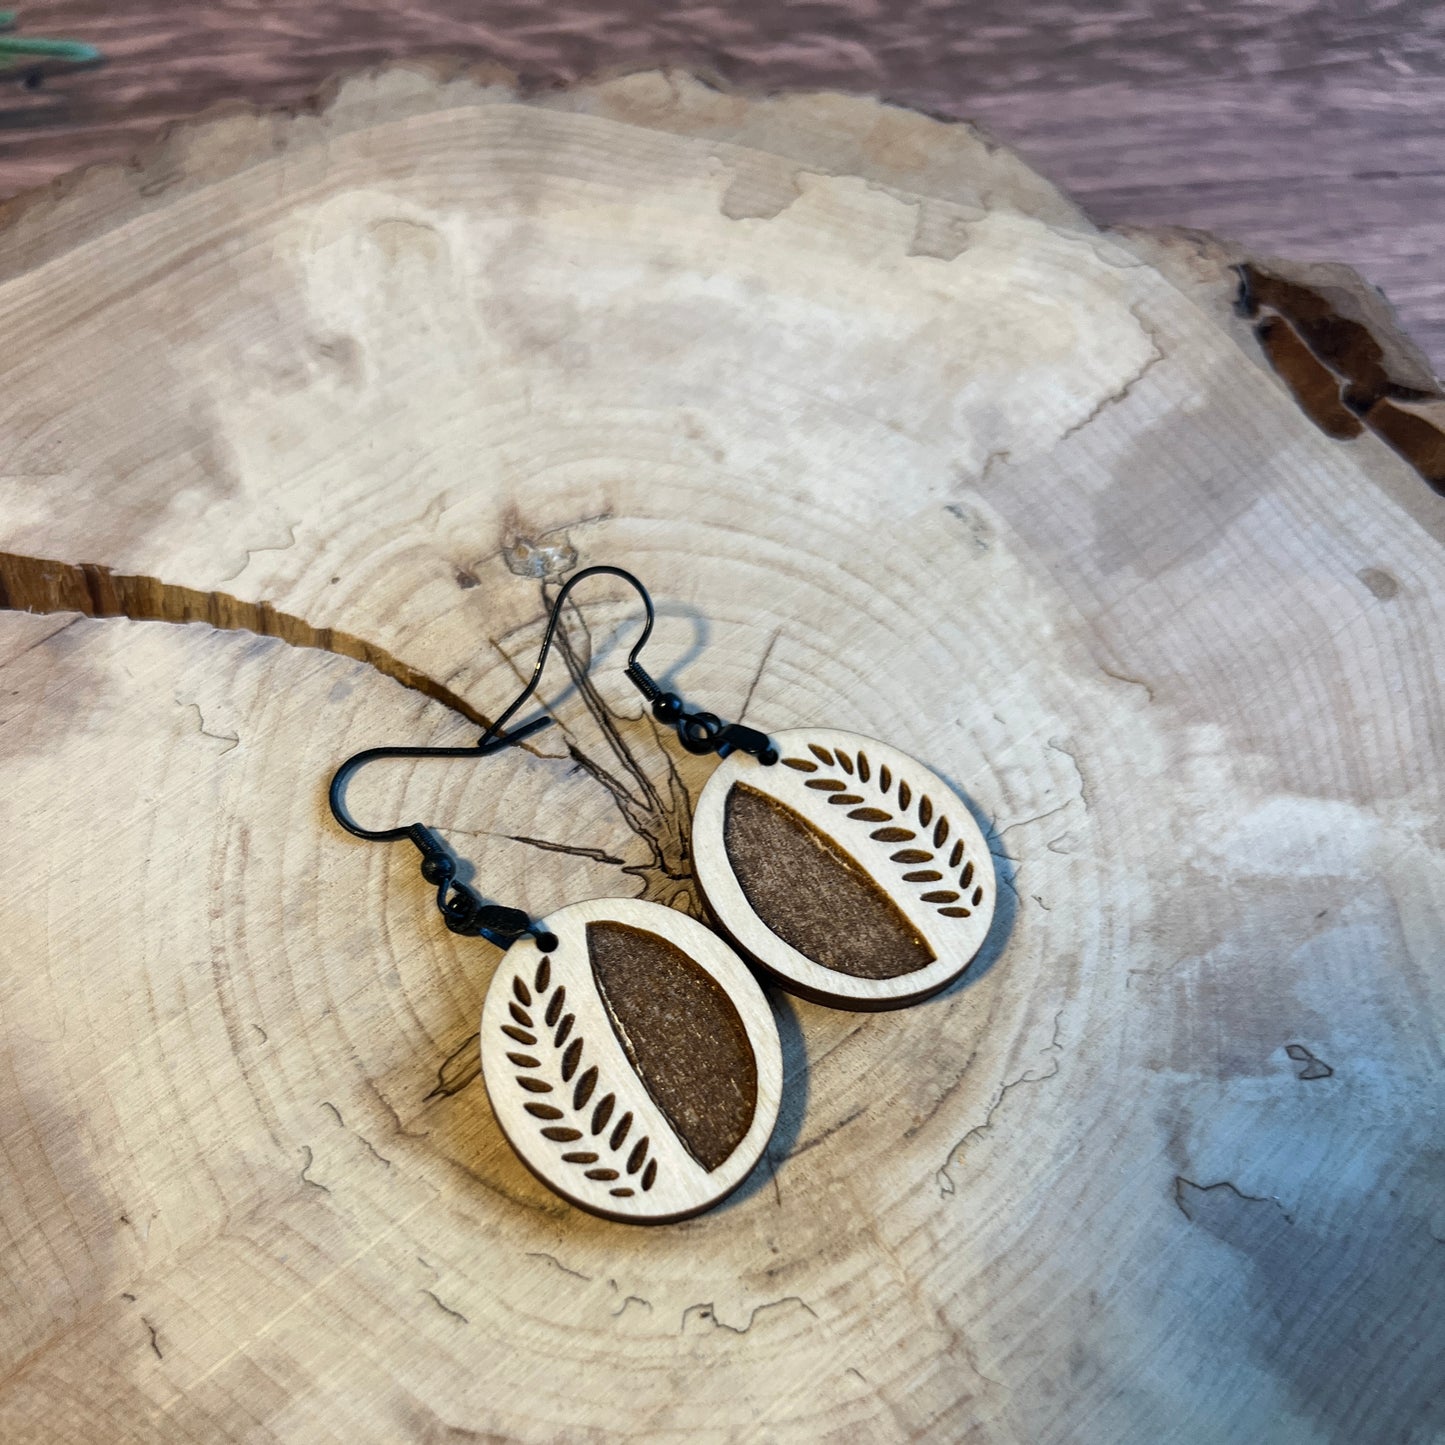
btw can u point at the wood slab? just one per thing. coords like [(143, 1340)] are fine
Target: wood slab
[(903, 446)]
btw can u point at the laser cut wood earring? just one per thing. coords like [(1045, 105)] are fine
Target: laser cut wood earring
[(629, 1054), (844, 868), (850, 872)]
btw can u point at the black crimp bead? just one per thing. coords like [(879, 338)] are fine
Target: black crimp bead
[(747, 740), (438, 869), (667, 708)]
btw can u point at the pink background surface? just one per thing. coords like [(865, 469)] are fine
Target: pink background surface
[(1313, 129)]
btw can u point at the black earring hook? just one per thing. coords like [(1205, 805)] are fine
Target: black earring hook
[(462, 908), (337, 794), (464, 911), (699, 732)]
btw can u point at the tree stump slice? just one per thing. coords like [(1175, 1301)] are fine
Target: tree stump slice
[(903, 446)]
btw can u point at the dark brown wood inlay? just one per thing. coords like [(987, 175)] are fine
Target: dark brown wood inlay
[(813, 895), (683, 1036)]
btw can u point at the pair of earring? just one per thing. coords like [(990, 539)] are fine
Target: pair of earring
[(628, 1051)]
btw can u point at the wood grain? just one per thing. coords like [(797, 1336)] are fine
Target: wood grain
[(1311, 130), (900, 443)]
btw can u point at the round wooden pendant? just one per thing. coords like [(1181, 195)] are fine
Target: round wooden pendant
[(636, 1069), (847, 870)]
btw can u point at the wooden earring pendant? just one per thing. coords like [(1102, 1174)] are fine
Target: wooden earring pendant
[(850, 872), (635, 1068), (630, 1056)]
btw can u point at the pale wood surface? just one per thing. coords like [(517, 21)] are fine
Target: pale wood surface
[(901, 444), (1311, 129)]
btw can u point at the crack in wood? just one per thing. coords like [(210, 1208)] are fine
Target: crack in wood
[(1055, 1044), (1314, 1068), (1124, 677), (275, 547), (460, 1068), (1037, 818), (557, 1264), (232, 738), (773, 1175), (707, 1311), (446, 1308), (1338, 372), (929, 1114), (1084, 797), (631, 1299), (533, 555), (1181, 1184), (758, 673), (1122, 392), (597, 855), (945, 1179), (375, 1153), (834, 1047), (1007, 878), (306, 1170), (828, 1132), (44, 585)]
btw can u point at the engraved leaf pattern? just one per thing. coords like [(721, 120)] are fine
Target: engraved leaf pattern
[(896, 813), (560, 1096)]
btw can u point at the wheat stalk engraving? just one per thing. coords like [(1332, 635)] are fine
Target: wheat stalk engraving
[(906, 818), (576, 1122)]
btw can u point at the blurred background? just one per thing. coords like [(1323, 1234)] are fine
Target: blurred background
[(1312, 129)]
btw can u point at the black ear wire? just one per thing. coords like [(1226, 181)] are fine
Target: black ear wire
[(463, 909), (699, 732)]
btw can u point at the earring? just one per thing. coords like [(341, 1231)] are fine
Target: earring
[(850, 873), (629, 1055), (844, 868)]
